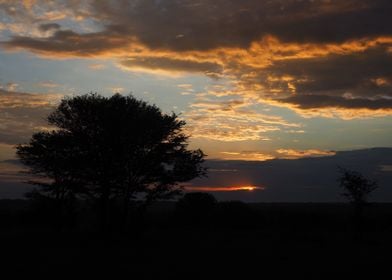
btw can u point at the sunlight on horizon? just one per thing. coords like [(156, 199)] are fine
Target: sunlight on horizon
[(226, 189)]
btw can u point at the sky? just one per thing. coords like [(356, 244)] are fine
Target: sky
[(254, 80)]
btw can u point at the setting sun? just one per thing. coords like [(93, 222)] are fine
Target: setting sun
[(248, 188), (225, 189)]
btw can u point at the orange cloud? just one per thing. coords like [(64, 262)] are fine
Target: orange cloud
[(231, 120), (246, 155), (294, 154), (10, 99), (266, 57), (332, 112)]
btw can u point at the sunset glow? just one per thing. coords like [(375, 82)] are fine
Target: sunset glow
[(225, 189), (258, 83)]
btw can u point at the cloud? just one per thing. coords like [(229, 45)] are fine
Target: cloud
[(231, 120), (317, 58), (9, 86), (187, 89), (294, 154), (97, 66), (11, 172), (279, 153), (49, 27), (27, 100), (299, 180), (362, 74), (116, 89), (48, 84), (22, 114), (7, 151), (246, 155), (170, 65), (202, 25), (67, 43)]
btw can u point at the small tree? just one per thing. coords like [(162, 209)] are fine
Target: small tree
[(357, 189), (112, 147)]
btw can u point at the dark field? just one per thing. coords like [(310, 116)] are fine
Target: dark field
[(253, 241)]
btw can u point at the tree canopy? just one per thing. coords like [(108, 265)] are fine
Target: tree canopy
[(356, 187), (106, 147)]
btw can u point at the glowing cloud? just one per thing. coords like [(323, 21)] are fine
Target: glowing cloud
[(293, 154), (246, 155), (268, 53)]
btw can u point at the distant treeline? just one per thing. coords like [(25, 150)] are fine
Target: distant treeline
[(196, 210)]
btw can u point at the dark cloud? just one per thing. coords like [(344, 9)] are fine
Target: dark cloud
[(201, 25), (173, 65), (69, 43), (359, 73), (340, 21), (230, 38), (49, 26), (325, 101), (358, 80)]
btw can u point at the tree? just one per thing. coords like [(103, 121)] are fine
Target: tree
[(53, 161), (357, 189), (112, 147)]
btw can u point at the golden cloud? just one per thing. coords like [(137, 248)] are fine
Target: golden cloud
[(10, 99), (246, 155), (269, 56), (294, 154), (231, 120)]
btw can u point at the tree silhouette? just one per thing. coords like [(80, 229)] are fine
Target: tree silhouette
[(357, 189), (111, 147)]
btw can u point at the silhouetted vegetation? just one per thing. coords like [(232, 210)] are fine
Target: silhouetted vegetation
[(357, 189), (112, 157), (105, 149), (279, 240)]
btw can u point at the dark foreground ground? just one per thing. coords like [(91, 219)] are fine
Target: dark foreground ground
[(258, 241)]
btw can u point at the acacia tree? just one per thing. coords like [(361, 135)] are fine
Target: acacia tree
[(357, 189), (112, 147)]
